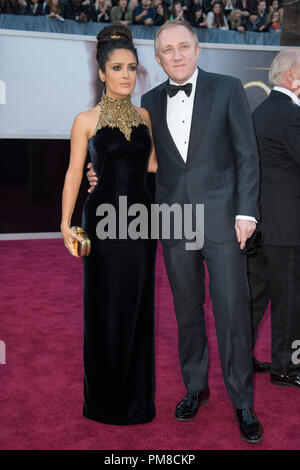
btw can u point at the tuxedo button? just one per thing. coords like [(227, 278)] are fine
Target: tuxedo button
[(187, 168)]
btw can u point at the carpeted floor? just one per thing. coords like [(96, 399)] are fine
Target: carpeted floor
[(41, 382)]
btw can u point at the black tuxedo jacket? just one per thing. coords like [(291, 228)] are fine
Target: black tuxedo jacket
[(277, 127), (222, 167)]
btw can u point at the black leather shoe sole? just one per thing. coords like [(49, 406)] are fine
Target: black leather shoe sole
[(284, 384), (261, 367), (204, 402), (252, 441)]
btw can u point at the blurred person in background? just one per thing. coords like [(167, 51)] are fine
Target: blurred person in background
[(132, 4), (143, 14), (198, 19), (161, 15), (275, 25), (247, 7), (36, 8), (9, 7), (236, 21), (261, 24), (216, 18), (121, 13), (207, 5), (273, 6), (21, 8), (228, 6), (103, 9), (55, 9), (76, 11), (178, 12), (250, 22)]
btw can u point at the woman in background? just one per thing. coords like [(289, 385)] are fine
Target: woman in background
[(216, 17), (236, 21)]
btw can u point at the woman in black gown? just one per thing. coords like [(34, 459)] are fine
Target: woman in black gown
[(118, 273)]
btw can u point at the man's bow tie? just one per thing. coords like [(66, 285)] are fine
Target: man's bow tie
[(173, 89)]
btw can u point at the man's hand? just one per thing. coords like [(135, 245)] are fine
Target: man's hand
[(244, 230), (148, 22), (91, 176)]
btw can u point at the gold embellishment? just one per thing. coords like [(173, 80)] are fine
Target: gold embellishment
[(115, 36), (120, 113)]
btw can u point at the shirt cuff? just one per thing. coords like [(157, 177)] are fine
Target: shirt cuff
[(245, 217)]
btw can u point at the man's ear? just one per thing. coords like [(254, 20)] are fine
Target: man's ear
[(157, 58)]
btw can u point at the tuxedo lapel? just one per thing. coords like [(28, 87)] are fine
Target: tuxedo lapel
[(204, 96), (163, 130)]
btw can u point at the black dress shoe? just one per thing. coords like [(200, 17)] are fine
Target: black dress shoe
[(291, 380), (250, 427), (261, 367), (189, 406)]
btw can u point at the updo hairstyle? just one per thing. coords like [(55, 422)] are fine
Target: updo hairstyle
[(110, 39)]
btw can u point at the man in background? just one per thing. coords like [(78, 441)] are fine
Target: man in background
[(274, 272)]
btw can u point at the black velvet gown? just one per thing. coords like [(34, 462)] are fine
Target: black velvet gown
[(118, 277)]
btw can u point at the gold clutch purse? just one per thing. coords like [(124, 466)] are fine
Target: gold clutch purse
[(82, 248)]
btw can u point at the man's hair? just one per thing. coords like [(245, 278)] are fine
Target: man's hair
[(286, 59), (172, 23)]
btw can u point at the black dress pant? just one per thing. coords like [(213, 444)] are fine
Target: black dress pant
[(230, 297), (274, 274)]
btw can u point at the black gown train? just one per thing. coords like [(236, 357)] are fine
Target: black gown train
[(118, 281)]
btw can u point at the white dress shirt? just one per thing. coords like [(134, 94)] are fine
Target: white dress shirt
[(292, 95), (179, 119), (179, 115)]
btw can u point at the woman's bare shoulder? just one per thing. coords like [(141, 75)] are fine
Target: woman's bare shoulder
[(87, 120)]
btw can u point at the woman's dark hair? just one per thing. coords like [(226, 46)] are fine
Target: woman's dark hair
[(219, 18), (112, 38)]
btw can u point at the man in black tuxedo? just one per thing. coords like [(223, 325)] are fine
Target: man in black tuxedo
[(206, 152), (274, 272)]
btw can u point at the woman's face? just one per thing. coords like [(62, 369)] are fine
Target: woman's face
[(275, 16), (177, 7), (123, 3), (160, 10), (198, 14), (275, 4), (120, 73), (216, 9), (237, 15)]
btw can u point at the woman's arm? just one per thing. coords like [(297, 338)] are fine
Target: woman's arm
[(152, 164), (73, 178)]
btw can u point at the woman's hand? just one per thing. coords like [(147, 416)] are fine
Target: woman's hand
[(69, 237)]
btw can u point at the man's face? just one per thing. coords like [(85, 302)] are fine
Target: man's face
[(177, 53), (261, 7), (145, 3)]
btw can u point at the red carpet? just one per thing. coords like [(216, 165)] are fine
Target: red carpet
[(41, 382)]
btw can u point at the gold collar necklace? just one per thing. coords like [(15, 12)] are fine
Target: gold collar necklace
[(120, 113)]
